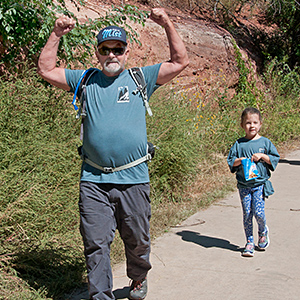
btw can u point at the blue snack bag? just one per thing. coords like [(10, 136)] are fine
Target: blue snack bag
[(250, 169)]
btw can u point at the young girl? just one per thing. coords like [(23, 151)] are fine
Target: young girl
[(253, 191)]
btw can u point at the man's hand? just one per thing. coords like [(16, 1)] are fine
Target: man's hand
[(159, 16), (63, 25)]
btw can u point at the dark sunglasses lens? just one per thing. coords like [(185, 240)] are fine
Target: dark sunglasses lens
[(104, 51), (116, 51)]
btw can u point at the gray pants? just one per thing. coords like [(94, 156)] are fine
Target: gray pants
[(103, 208)]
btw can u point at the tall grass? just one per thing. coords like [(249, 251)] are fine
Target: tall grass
[(38, 194), (41, 253)]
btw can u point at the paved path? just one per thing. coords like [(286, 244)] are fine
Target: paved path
[(201, 258)]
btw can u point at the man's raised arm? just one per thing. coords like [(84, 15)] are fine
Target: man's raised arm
[(179, 58), (47, 60)]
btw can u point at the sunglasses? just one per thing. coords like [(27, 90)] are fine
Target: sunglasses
[(105, 51)]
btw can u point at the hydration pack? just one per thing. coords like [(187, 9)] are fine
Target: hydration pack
[(80, 92)]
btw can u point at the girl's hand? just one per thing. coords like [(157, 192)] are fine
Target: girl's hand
[(258, 156), (238, 161)]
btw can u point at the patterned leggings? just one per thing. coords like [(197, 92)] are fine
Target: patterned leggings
[(253, 204)]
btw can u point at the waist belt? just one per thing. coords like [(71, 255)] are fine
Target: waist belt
[(116, 169)]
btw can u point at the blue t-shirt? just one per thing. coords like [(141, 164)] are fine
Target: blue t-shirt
[(246, 148), (115, 125)]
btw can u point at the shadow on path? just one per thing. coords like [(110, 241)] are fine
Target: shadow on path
[(122, 293), (207, 241), (290, 162)]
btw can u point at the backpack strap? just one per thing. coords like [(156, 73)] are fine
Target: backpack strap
[(147, 157), (81, 81), (139, 79), (80, 92), (150, 154)]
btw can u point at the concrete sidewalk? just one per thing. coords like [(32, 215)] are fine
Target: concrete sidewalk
[(201, 258)]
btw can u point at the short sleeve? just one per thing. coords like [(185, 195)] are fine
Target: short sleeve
[(72, 77), (273, 155), (232, 156), (151, 74)]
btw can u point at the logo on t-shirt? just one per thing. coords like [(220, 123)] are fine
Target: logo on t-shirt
[(261, 150), (123, 94)]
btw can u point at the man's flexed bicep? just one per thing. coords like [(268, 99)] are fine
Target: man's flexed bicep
[(179, 58), (55, 77), (47, 60)]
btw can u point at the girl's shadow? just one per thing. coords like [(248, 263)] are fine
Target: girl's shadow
[(207, 241)]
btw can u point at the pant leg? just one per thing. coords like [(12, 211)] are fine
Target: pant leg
[(246, 200), (259, 208), (134, 213), (97, 227)]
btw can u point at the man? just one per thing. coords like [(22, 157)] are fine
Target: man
[(114, 135)]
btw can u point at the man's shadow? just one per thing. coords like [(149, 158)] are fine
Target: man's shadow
[(207, 241), (48, 269), (122, 293)]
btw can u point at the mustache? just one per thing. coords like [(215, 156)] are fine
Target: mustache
[(111, 60)]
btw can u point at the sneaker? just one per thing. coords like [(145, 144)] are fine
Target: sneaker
[(264, 240), (138, 289), (249, 250)]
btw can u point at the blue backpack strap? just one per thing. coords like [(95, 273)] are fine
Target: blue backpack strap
[(77, 88), (84, 78), (80, 93)]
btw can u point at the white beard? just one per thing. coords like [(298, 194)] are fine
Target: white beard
[(112, 68)]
